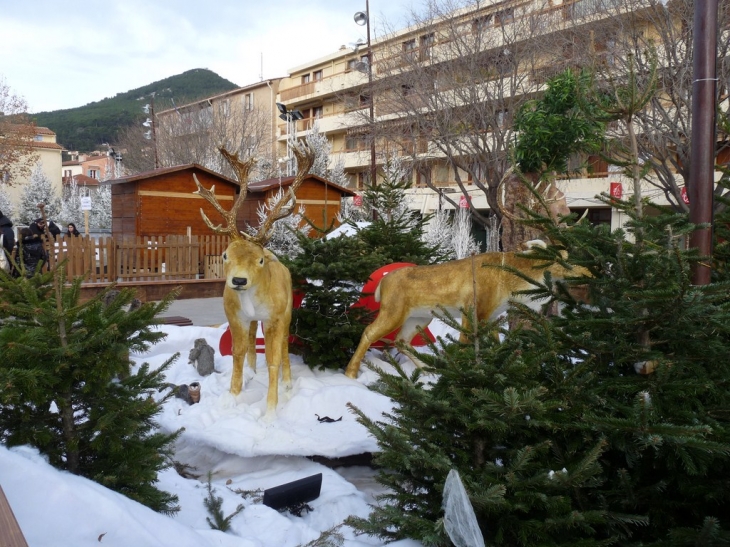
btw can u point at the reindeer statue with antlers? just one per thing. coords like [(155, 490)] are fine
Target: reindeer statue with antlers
[(258, 287)]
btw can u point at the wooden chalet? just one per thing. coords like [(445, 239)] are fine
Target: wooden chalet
[(162, 202), (319, 197)]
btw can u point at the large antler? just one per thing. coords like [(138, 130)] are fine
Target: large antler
[(242, 170), (286, 203)]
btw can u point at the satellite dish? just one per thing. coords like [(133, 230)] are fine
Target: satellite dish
[(361, 66), (361, 18)]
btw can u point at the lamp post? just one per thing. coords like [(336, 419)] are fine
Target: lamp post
[(363, 18), (291, 117), (702, 156), (150, 122)]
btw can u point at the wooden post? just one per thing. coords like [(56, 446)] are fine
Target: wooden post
[(86, 223)]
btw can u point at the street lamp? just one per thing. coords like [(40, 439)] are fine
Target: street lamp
[(291, 117), (363, 18), (151, 134)]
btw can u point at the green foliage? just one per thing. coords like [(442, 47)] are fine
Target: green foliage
[(330, 273), (332, 537), (557, 438), (556, 126), (67, 387), (213, 504), (86, 127)]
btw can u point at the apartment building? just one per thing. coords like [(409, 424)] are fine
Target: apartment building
[(242, 120), (48, 153), (444, 92)]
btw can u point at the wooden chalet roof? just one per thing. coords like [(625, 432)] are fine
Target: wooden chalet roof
[(167, 170), (269, 184)]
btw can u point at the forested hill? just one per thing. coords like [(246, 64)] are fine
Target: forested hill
[(86, 127)]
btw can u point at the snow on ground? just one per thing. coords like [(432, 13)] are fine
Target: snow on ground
[(229, 438)]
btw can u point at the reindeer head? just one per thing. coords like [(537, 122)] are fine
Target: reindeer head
[(245, 257)]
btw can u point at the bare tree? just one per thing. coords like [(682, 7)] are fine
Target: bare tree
[(636, 36), (452, 87), (193, 133), (17, 156)]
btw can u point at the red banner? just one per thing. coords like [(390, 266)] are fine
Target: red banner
[(685, 197), (357, 200), (617, 190), (463, 202)]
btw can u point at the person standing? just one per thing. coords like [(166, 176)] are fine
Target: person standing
[(71, 230), (38, 227), (6, 229), (31, 251)]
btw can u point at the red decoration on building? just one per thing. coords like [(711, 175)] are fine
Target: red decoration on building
[(617, 190), (685, 197), (464, 201), (357, 200)]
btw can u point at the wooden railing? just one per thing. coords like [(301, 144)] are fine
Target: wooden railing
[(145, 258)]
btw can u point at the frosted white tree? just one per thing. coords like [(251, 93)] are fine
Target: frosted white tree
[(439, 233), (283, 240), (101, 208), (38, 190), (322, 148), (6, 205), (350, 213), (462, 241), (71, 205)]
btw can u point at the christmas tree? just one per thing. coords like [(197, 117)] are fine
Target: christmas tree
[(604, 424), (67, 386), (330, 273)]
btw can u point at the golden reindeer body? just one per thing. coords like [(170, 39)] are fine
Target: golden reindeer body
[(409, 296), (258, 287)]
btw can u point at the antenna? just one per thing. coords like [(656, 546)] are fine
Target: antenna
[(261, 75)]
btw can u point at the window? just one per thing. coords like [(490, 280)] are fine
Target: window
[(67, 174), (504, 17), (305, 79), (93, 173), (38, 138), (248, 101), (364, 99), (317, 75), (362, 178), (351, 65), (317, 111), (481, 24), (409, 49), (427, 42), (225, 107), (355, 142)]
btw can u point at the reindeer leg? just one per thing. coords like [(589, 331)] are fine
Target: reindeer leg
[(384, 323), (408, 332), (239, 335), (251, 353), (274, 333), (285, 365)]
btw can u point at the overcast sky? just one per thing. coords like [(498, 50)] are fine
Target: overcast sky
[(63, 54)]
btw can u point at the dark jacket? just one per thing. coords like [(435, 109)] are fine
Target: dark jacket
[(55, 230), (6, 228), (33, 252)]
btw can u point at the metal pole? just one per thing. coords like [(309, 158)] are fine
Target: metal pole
[(373, 171), (702, 152)]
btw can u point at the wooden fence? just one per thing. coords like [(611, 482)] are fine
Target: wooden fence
[(146, 258)]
